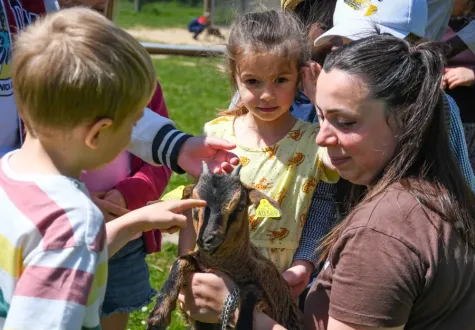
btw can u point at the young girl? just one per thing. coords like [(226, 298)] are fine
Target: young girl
[(278, 153), (125, 184)]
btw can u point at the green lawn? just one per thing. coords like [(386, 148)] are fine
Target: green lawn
[(159, 264), (194, 91), (157, 14)]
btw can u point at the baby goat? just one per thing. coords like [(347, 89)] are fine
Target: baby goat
[(224, 244)]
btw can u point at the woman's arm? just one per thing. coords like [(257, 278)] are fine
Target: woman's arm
[(337, 325), (203, 300)]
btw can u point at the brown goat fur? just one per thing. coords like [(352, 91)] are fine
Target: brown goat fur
[(223, 243)]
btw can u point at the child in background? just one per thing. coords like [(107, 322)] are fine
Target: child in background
[(70, 95), (459, 74), (198, 25), (128, 183), (277, 151)]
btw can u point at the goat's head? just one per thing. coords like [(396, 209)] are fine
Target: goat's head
[(227, 200)]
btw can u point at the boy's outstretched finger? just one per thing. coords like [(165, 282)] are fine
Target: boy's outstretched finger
[(185, 205)]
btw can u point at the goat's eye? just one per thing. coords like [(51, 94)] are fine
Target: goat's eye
[(240, 208)]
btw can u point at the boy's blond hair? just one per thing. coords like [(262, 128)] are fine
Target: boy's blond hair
[(76, 66)]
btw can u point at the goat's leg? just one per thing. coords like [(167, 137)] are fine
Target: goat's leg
[(250, 295), (160, 317)]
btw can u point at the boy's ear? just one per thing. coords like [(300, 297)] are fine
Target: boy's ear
[(254, 197), (93, 133), (188, 191)]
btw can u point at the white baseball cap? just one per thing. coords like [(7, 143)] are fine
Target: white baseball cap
[(356, 19)]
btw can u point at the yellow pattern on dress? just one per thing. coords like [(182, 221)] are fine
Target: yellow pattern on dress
[(278, 234), (263, 184), (297, 159), (309, 185), (244, 161), (270, 151), (220, 120), (296, 134)]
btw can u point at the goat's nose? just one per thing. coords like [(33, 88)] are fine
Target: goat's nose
[(209, 239)]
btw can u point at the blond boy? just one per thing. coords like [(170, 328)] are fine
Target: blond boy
[(80, 85)]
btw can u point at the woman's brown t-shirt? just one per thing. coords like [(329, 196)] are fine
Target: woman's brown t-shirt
[(396, 263)]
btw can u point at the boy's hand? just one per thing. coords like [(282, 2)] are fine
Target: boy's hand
[(166, 216), (460, 76), (213, 151), (110, 205), (298, 276)]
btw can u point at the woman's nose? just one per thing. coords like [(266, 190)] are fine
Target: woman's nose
[(325, 136)]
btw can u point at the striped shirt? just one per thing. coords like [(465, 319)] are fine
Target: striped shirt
[(53, 265)]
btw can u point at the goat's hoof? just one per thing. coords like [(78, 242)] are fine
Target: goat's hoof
[(156, 327), (158, 322)]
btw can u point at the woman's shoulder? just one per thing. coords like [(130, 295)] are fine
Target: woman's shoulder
[(395, 212)]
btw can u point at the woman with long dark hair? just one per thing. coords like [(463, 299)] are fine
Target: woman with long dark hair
[(404, 257)]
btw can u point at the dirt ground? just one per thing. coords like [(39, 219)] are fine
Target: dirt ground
[(175, 36)]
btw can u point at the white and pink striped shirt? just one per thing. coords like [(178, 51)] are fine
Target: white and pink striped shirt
[(53, 260)]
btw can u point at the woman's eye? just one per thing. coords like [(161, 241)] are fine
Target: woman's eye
[(281, 80), (251, 82), (346, 124)]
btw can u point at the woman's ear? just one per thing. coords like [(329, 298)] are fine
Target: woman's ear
[(394, 122), (96, 131)]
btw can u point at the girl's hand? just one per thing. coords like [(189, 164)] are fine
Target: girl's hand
[(298, 276), (202, 299), (115, 197), (310, 73), (460, 76), (110, 204)]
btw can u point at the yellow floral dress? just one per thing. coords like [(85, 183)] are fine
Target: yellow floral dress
[(288, 172)]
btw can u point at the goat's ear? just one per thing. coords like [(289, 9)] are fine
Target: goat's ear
[(188, 191), (255, 196)]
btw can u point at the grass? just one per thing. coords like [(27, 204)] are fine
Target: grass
[(159, 264), (157, 14), (194, 89)]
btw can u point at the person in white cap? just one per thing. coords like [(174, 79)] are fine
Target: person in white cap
[(405, 19), (355, 19)]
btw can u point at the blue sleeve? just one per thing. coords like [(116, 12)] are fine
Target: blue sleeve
[(458, 143), (156, 141), (303, 109), (320, 220)]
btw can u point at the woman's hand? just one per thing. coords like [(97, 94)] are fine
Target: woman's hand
[(202, 299), (298, 276)]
